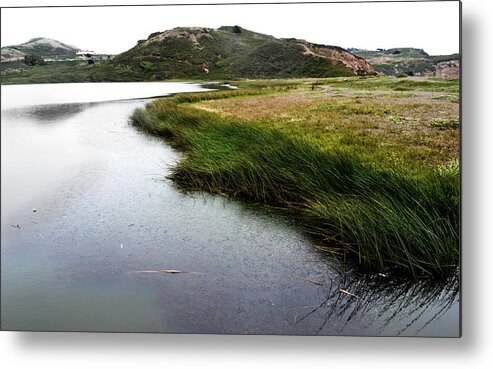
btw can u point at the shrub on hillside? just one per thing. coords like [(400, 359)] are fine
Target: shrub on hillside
[(34, 60)]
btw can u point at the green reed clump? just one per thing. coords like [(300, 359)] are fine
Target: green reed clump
[(384, 218)]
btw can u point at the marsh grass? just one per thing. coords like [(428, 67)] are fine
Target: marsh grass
[(376, 126), (444, 123), (215, 95), (395, 84), (450, 97), (379, 216)]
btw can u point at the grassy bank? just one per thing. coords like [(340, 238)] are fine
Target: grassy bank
[(384, 215), (65, 72)]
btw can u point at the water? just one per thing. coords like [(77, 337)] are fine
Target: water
[(107, 219)]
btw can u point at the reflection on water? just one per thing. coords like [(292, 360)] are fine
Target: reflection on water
[(16, 96), (45, 114), (403, 307), (102, 219)]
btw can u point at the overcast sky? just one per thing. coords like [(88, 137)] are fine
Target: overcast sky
[(432, 26)]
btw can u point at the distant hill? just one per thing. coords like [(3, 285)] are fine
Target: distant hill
[(234, 52), (410, 61), (40, 46)]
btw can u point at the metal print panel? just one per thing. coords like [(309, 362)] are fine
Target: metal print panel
[(287, 169)]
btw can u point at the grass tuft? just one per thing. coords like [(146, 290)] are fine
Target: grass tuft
[(445, 123)]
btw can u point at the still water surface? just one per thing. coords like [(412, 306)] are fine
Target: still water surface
[(106, 218)]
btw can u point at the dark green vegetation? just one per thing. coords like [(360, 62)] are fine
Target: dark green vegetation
[(410, 61), (65, 72), (34, 60), (386, 215), (202, 54)]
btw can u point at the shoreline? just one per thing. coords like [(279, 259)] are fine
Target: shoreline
[(385, 218)]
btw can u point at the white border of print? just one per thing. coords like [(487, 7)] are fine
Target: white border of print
[(93, 350)]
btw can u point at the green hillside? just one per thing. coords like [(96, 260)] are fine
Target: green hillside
[(234, 52)]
